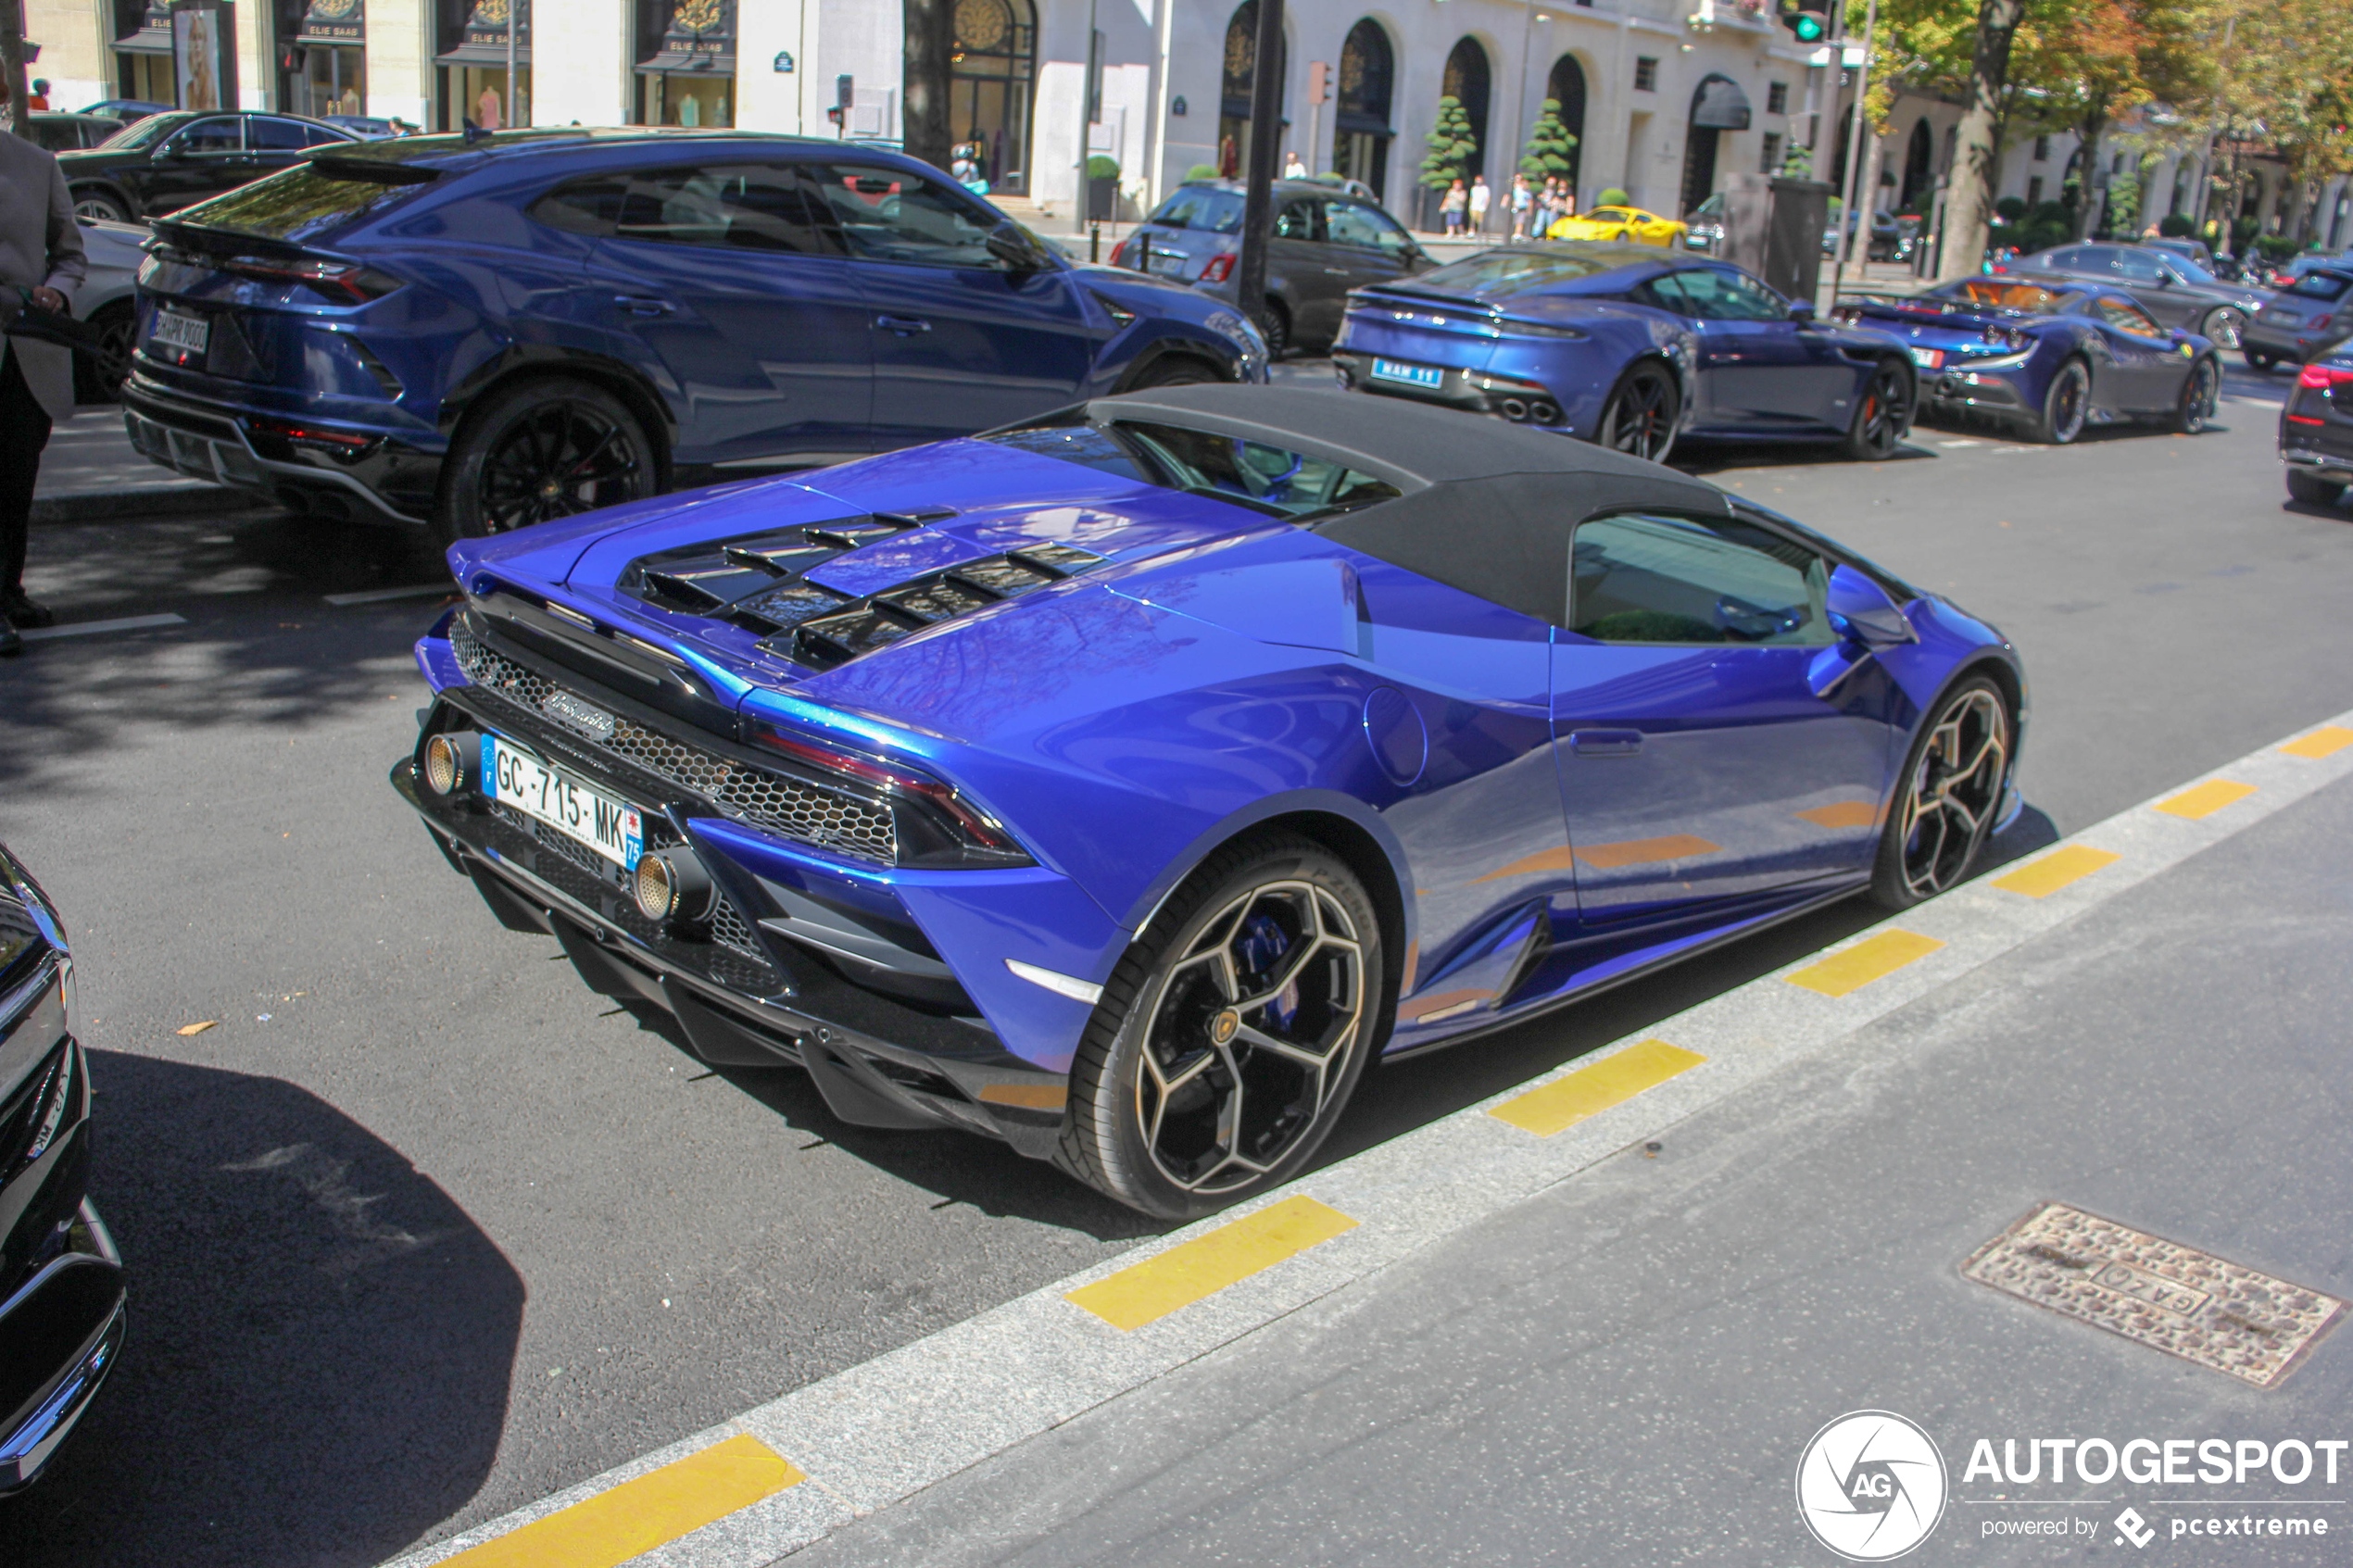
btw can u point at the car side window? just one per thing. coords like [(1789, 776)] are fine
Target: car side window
[(887, 214), (2132, 265), (322, 136), (737, 206), (2127, 316), (2074, 259), (1300, 221), (1654, 577), (1666, 292), (265, 134), (1718, 294), (221, 135), (1353, 224)]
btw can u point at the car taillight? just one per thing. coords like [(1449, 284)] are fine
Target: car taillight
[(938, 826), (346, 282), (1220, 267), (1119, 251), (2320, 378)]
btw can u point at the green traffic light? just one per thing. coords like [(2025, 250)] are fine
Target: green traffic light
[(1808, 29)]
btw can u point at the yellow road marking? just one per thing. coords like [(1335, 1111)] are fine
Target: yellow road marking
[(1207, 1264), (1589, 1091), (1863, 963), (1647, 851), (1843, 814), (2326, 740), (2054, 870), (632, 1519), (2204, 800), (1029, 1096)]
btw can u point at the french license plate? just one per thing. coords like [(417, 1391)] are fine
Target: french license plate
[(1928, 358), (1412, 375), (176, 329), (581, 813), (1167, 263)]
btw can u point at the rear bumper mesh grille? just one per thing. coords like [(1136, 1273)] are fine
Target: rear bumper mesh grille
[(784, 805)]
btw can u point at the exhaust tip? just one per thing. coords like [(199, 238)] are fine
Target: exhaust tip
[(450, 761), (1514, 407), (672, 886)]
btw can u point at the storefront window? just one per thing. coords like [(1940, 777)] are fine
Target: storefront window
[(326, 61), (472, 77), (685, 63), (142, 50)]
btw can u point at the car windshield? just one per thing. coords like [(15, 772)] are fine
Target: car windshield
[(2029, 298), (303, 203), (1527, 266), (1609, 215), (1254, 474), (2321, 285), (141, 132), (1203, 208)]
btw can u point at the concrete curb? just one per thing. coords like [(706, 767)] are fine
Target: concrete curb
[(141, 500)]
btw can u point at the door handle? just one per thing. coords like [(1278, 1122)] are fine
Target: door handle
[(642, 305), (1606, 743), (905, 326)]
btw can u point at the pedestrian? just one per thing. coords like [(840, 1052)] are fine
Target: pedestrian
[(40, 262), (1229, 159), (1523, 206), (1292, 167), (37, 101), (1481, 198), (1450, 206)]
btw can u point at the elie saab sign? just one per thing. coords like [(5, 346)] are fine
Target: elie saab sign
[(332, 21)]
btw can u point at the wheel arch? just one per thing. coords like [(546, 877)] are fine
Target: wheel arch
[(1168, 347), (636, 393), (118, 194)]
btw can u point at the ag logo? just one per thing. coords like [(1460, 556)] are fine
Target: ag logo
[(1870, 1485)]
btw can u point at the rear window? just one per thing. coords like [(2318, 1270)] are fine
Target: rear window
[(1528, 266), (2027, 297), (2321, 285), (1198, 206), (300, 204), (1263, 478)]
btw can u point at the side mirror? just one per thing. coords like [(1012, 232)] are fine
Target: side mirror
[(1010, 246), (1801, 312), (1860, 611)]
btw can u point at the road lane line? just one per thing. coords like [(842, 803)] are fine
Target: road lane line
[(1184, 1274), (2203, 801), (378, 595), (2061, 868), (2326, 740), (1874, 958), (1589, 1091), (873, 1434), (635, 1517), (90, 628)]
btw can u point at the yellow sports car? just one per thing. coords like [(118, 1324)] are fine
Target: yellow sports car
[(1618, 223)]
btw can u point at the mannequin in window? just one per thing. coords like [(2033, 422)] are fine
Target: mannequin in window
[(486, 109)]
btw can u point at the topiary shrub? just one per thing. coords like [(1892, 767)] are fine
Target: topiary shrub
[(1551, 150), (1201, 171), (1101, 168), (2176, 226), (1614, 196), (2010, 209)]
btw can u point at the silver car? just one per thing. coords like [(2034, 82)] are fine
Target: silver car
[(105, 300), (2304, 320), (2168, 285)]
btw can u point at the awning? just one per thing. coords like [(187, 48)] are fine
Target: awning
[(146, 41), (1719, 104), (484, 56), (683, 62)]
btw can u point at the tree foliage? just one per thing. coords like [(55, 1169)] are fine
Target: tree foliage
[(1551, 150), (1451, 146)]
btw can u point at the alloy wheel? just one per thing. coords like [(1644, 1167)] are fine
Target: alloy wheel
[(557, 459), (2198, 400), (1880, 424), (1955, 790), (1250, 1036), (1641, 418), (2224, 327), (2070, 402)]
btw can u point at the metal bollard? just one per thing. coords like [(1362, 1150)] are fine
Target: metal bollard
[(1094, 241)]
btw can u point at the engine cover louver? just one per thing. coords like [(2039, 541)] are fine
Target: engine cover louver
[(759, 582)]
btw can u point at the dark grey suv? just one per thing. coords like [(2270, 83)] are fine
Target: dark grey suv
[(2169, 286), (1325, 243)]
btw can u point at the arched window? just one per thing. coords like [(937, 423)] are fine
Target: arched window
[(1718, 106), (1361, 132), (995, 65), (1241, 76), (1567, 86), (1467, 83)]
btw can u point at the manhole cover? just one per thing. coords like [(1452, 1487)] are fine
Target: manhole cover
[(2182, 1302)]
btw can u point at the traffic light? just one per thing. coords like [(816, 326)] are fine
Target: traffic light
[(1810, 21)]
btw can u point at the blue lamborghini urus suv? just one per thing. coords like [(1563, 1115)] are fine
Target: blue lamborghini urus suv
[(484, 333)]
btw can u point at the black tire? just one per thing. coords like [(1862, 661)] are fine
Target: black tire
[(542, 449), (90, 201), (1881, 414), (1947, 797), (2201, 390), (2259, 361), (2223, 324), (2066, 405), (1191, 1090), (1276, 329), (2311, 489), (100, 379), (1175, 369), (1642, 413)]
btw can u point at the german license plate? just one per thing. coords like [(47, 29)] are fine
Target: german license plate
[(1928, 358), (1412, 375), (176, 329), (584, 814)]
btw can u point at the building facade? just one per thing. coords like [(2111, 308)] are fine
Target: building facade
[(1666, 97)]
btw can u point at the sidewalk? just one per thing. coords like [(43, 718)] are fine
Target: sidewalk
[(90, 471)]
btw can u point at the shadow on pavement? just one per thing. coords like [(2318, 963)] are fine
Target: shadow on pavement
[(321, 1339)]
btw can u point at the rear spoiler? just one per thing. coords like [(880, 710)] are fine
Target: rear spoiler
[(380, 171)]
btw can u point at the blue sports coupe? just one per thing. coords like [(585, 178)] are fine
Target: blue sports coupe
[(1629, 346), (482, 332), (1120, 782), (2050, 356)]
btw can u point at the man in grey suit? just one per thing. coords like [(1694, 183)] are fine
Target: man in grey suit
[(40, 262)]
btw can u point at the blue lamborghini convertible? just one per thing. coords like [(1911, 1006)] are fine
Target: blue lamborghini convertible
[(1120, 782), (1627, 345)]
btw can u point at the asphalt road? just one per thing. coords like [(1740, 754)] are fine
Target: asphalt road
[(421, 1229)]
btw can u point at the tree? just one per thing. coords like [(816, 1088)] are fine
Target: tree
[(1551, 150), (926, 79), (1452, 146)]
